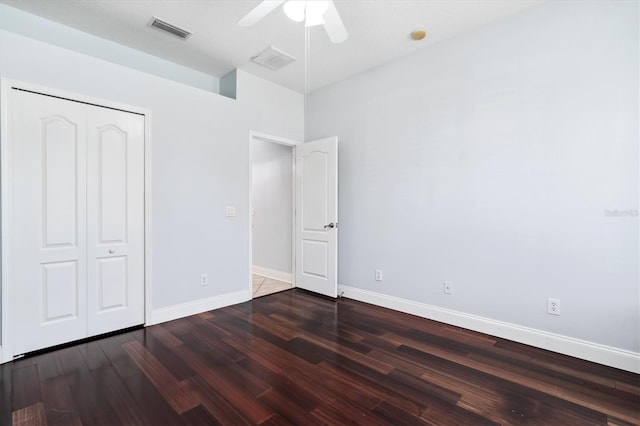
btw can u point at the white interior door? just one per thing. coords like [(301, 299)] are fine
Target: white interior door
[(77, 212), (48, 247), (317, 216), (115, 220)]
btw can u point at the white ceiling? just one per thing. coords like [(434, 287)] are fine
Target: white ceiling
[(379, 31)]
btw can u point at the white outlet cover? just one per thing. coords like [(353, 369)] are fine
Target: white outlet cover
[(553, 306)]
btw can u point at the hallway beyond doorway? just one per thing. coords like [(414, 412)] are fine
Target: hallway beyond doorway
[(263, 286)]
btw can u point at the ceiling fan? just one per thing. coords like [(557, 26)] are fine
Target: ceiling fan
[(312, 12)]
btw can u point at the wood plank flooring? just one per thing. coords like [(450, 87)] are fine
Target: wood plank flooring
[(297, 358)]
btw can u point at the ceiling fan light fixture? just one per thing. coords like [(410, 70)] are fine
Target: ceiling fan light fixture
[(316, 8), (295, 10), (309, 11), (313, 20)]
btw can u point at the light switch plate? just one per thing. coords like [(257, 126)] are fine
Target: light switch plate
[(230, 211)]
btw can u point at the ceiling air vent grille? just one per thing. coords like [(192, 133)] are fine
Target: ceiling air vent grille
[(273, 58), (166, 27)]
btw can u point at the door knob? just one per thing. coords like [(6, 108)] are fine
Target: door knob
[(331, 225), (111, 251)]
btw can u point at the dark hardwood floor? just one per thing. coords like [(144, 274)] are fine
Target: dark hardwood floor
[(295, 358)]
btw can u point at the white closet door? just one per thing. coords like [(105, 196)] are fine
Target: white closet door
[(48, 246), (115, 219)]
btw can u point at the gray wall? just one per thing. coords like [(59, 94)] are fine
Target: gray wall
[(198, 140), (497, 160), (272, 188), (199, 159)]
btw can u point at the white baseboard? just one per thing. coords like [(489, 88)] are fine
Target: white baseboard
[(170, 313), (272, 273), (607, 355)]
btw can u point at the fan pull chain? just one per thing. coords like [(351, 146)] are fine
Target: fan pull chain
[(307, 45)]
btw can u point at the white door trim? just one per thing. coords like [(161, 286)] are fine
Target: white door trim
[(6, 87), (257, 136)]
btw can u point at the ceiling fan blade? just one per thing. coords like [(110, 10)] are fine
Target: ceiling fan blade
[(333, 25), (260, 11)]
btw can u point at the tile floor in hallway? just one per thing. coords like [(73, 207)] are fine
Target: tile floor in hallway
[(263, 285)]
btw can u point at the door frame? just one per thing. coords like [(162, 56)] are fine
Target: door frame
[(6, 89), (264, 137)]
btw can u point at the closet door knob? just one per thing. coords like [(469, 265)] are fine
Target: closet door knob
[(111, 251)]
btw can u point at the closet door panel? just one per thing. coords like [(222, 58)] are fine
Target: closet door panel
[(115, 203), (59, 290), (112, 184), (48, 245), (111, 280), (60, 181)]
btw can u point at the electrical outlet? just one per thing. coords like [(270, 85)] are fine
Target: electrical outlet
[(204, 280), (553, 306), (447, 287), (378, 274)]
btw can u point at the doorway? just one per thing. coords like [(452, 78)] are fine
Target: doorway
[(313, 222), (272, 215)]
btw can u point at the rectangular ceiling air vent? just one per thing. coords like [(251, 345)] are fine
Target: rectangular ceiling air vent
[(166, 27), (273, 58)]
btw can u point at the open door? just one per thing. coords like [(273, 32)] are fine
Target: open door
[(317, 216)]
